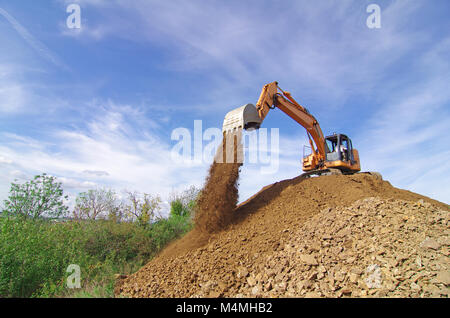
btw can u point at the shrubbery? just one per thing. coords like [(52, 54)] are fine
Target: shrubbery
[(35, 252)]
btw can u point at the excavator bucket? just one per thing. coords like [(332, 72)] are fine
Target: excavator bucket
[(245, 117)]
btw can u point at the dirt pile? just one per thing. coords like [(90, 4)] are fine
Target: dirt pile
[(307, 237)]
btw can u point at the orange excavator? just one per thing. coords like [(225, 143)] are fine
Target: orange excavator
[(333, 154)]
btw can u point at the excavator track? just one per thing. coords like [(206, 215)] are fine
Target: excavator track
[(320, 172), (334, 172)]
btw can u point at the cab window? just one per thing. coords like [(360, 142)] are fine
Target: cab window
[(331, 145)]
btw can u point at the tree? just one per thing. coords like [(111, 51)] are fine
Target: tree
[(97, 203), (142, 208), (42, 196)]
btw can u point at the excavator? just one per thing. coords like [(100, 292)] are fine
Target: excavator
[(333, 154)]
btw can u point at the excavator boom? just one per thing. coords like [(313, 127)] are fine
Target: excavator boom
[(271, 97)]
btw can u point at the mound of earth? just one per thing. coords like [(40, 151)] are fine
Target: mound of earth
[(328, 236)]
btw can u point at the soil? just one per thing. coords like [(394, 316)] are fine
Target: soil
[(235, 259)]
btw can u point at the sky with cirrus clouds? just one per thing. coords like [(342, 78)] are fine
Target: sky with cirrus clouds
[(96, 106)]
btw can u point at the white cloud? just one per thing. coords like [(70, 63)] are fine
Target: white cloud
[(97, 173), (69, 183), (113, 153), (5, 160), (19, 175), (21, 96), (110, 152)]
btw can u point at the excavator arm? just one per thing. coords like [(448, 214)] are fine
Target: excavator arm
[(272, 96)]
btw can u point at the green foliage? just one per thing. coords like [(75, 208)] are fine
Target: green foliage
[(35, 252), (165, 230), (183, 204), (177, 208), (42, 196), (117, 241)]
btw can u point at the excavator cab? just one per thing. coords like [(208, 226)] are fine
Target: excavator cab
[(340, 154)]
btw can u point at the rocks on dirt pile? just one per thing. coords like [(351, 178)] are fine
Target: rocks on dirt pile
[(310, 237), (374, 247)]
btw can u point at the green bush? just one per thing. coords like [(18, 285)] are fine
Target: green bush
[(177, 208), (34, 254), (36, 251), (122, 241), (165, 230)]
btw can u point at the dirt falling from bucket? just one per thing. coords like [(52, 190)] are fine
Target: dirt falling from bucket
[(219, 195)]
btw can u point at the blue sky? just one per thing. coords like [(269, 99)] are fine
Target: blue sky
[(97, 106)]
